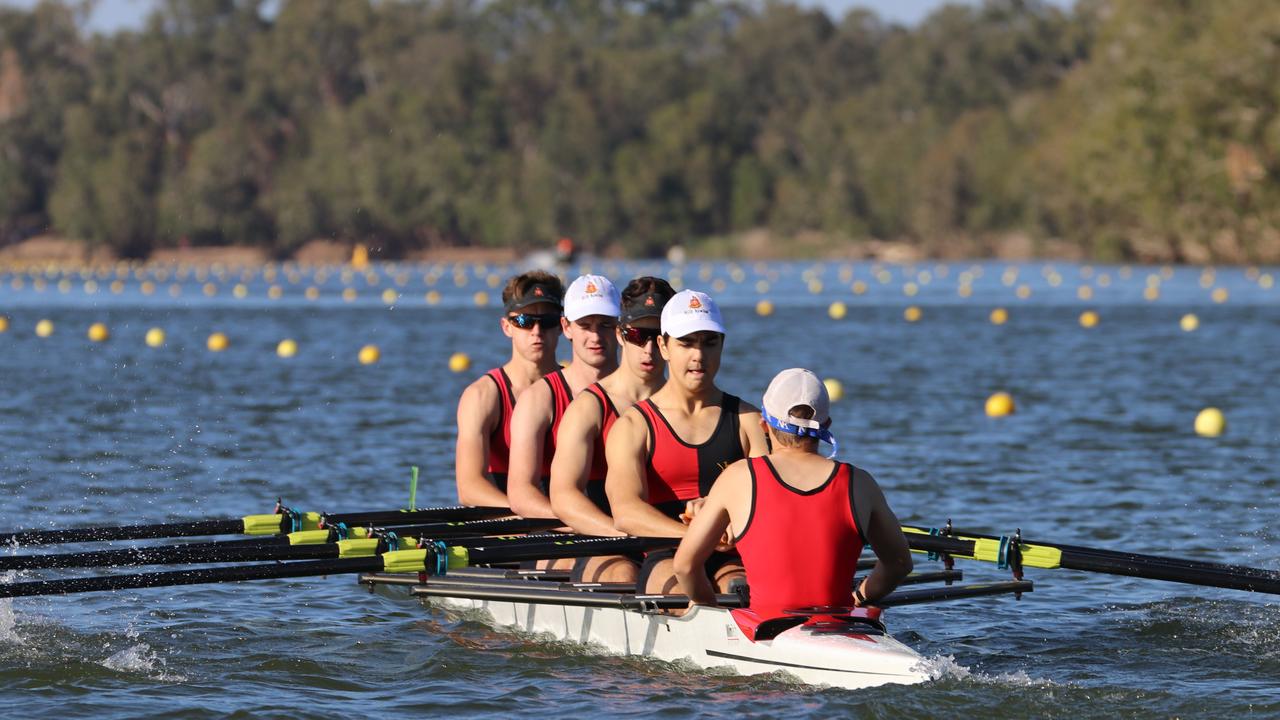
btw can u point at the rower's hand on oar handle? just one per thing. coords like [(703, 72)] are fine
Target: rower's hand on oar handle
[(691, 509)]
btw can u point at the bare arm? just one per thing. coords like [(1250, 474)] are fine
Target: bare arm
[(884, 532), (754, 441), (627, 451), (705, 532), (575, 444), (530, 423), (479, 410)]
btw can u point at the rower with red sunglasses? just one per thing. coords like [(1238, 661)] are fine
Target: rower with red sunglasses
[(531, 303), (578, 469), (591, 309)]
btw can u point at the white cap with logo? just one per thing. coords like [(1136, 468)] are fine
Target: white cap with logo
[(690, 311), (591, 295), (797, 387)]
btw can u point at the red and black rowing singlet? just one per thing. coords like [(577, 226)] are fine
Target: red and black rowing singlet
[(599, 467), (500, 438), (800, 547), (561, 395), (678, 472)]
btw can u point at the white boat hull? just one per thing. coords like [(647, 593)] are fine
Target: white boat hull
[(709, 637)]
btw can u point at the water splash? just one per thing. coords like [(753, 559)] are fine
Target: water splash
[(8, 619), (945, 667), (141, 659)]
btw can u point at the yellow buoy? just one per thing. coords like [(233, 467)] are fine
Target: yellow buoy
[(481, 298), (1000, 404), (275, 292), (1189, 322), (859, 287), (1023, 292), (217, 342), (390, 296), (1219, 295), (312, 293), (999, 316), (240, 291), (912, 314), (762, 286), (459, 362), (764, 308), (1084, 292), (1088, 319), (287, 348), (1266, 282), (369, 354), (155, 337), (349, 294), (433, 297), (835, 389), (837, 311), (1210, 422), (4, 323), (360, 257), (209, 289), (1151, 293), (815, 286), (44, 328), (98, 332), (910, 289)]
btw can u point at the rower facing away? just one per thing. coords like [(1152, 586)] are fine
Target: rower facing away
[(531, 305), (799, 520)]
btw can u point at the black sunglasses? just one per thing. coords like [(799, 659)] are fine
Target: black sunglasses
[(640, 336), (526, 321)]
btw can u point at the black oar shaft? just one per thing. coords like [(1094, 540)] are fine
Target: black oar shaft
[(405, 517), (125, 532), (192, 577), (188, 553)]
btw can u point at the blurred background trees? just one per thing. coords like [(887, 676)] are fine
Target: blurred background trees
[(1143, 130)]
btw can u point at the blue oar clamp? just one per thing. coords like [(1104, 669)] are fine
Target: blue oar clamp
[(291, 516), (442, 557)]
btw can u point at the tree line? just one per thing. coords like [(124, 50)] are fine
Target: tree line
[(1137, 130)]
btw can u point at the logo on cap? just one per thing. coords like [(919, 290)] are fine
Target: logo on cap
[(648, 301), (591, 288), (537, 291), (695, 303)]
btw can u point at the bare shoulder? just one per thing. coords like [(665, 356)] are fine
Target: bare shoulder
[(630, 424), (584, 408), (538, 394), (481, 397), (737, 475)]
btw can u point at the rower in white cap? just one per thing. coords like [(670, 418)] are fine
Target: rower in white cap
[(591, 310), (799, 520), (666, 452)]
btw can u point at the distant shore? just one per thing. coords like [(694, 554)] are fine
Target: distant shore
[(759, 245)]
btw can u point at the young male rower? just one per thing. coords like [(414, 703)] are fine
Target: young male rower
[(799, 520), (578, 468), (591, 309), (667, 451), (531, 305)]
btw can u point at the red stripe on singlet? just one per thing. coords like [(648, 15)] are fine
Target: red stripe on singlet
[(561, 395), (500, 438)]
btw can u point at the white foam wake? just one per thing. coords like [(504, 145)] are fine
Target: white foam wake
[(141, 659), (945, 667)]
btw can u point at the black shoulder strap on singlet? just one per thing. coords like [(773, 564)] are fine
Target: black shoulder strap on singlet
[(724, 447), (860, 522)]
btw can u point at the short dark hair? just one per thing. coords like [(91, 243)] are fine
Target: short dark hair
[(518, 285), (646, 285)]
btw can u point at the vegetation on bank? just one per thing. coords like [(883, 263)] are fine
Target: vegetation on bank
[(1136, 130)]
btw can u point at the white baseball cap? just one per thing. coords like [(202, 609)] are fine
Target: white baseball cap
[(797, 387), (591, 295), (690, 311)]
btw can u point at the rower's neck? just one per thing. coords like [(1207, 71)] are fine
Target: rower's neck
[(580, 374), (681, 398), (524, 373)]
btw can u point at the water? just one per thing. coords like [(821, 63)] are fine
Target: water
[(1100, 453)]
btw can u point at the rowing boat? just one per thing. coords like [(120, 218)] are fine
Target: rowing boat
[(840, 650)]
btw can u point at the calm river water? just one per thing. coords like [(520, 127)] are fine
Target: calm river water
[(1101, 452)]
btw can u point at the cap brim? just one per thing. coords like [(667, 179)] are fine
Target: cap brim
[(527, 302)]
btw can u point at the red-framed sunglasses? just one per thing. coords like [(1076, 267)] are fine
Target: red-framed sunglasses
[(639, 336), (526, 321)]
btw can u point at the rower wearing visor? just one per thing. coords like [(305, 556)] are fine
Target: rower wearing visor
[(578, 469), (798, 519), (591, 309), (666, 452), (531, 319)]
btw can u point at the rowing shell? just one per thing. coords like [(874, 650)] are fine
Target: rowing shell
[(852, 655)]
